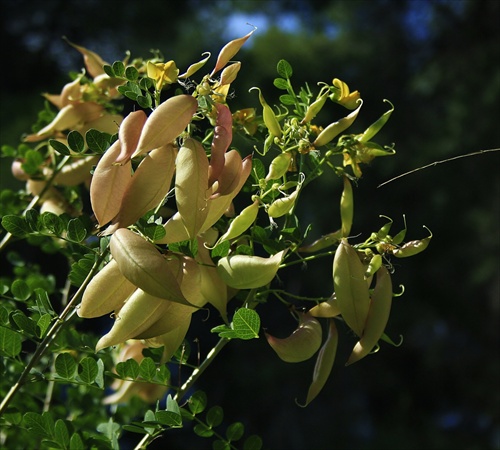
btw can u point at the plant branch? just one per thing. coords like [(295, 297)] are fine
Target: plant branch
[(49, 338)]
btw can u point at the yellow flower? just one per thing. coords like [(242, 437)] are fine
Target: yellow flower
[(162, 73)]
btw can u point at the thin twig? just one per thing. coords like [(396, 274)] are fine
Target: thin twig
[(435, 163)]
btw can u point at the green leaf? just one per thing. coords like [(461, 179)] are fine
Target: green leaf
[(221, 445), (147, 369), (221, 250), (32, 217), (76, 443), (145, 101), (287, 99), (76, 141), (131, 73), (43, 324), (202, 430), (20, 290), (119, 69), (4, 315), (235, 431), (246, 323), (108, 70), (25, 324), (130, 90), (215, 415), (197, 402), (169, 418), (99, 379), (281, 83), (59, 147), (52, 222), (15, 225), (88, 370), (111, 430), (154, 231), (162, 374), (38, 424), (10, 342), (284, 69), (97, 141), (81, 269), (65, 366), (252, 442), (76, 230), (43, 302), (61, 433), (128, 369)]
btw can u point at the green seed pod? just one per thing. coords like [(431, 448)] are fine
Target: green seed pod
[(413, 247), (335, 128), (314, 108), (351, 289), (270, 119), (241, 223), (302, 344), (282, 205), (323, 242), (327, 309), (375, 127), (378, 315), (324, 362), (384, 231), (346, 207), (248, 272), (374, 265), (279, 166)]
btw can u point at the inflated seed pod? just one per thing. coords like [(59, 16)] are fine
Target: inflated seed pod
[(76, 172), (241, 222), (324, 362), (378, 315), (413, 247), (323, 242), (335, 128), (375, 127), (346, 207), (279, 166), (282, 205), (248, 272), (314, 108), (138, 314), (270, 119), (166, 123), (351, 288), (302, 344), (106, 292), (143, 265), (327, 309), (129, 133), (228, 51), (374, 265)]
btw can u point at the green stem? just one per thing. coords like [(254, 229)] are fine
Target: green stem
[(51, 335), (148, 438)]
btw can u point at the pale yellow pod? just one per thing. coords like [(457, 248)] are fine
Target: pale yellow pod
[(229, 177), (106, 292), (129, 134), (249, 272), (327, 309), (378, 316), (148, 187), (302, 344), (351, 288), (166, 123), (175, 231), (191, 186), (145, 266), (108, 185), (76, 172), (140, 311)]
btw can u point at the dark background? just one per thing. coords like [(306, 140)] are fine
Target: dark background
[(438, 62)]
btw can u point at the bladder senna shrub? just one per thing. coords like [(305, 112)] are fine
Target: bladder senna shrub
[(142, 206)]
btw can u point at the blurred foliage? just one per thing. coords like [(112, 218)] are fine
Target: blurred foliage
[(438, 62)]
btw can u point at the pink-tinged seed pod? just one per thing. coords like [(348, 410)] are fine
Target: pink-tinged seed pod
[(327, 309), (129, 134)]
